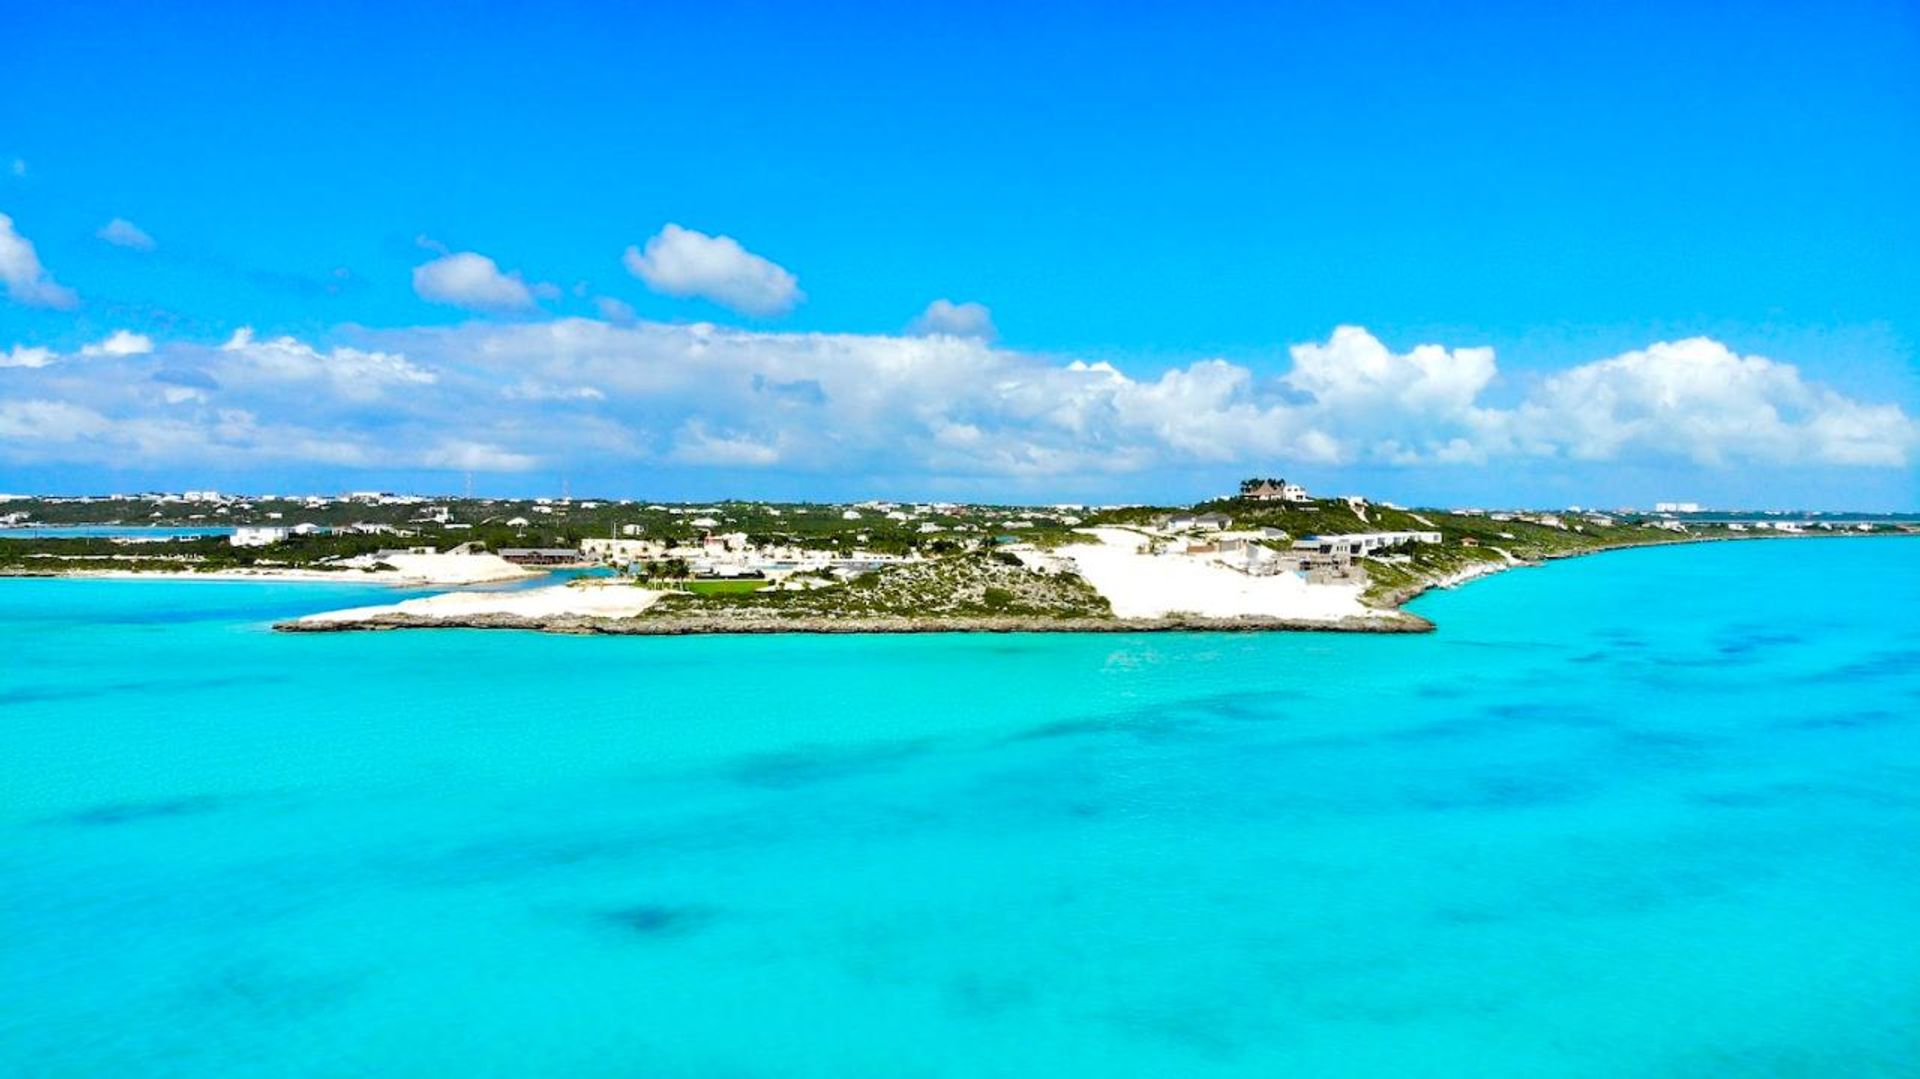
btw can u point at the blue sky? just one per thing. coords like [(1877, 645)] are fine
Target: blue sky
[(1153, 188)]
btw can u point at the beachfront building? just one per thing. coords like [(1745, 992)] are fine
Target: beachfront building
[(540, 556), (1248, 553), (732, 555), (1360, 544), (246, 536), (607, 549), (1193, 522)]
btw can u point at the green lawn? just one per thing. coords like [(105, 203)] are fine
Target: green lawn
[(710, 588)]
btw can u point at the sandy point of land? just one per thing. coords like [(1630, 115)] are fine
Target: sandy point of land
[(611, 600), (1141, 585)]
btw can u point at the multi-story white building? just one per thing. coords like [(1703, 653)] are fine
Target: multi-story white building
[(248, 536)]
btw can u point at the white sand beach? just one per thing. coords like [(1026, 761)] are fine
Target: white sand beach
[(451, 569), (597, 600), (1140, 585)]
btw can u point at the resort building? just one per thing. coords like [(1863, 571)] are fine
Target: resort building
[(540, 556), (622, 550), (246, 536), (1361, 544), (1186, 522)]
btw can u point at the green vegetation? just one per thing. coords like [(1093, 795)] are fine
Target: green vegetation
[(960, 570), (1467, 539), (968, 585), (496, 523), (725, 587), (33, 554)]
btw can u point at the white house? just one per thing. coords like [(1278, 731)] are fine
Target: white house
[(1273, 491), (246, 536), (1204, 522), (618, 550), (1354, 544)]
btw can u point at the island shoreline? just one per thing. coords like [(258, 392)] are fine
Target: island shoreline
[(1392, 618), (1399, 598), (658, 626)]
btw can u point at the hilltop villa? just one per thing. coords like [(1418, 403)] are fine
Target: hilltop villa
[(1272, 490)]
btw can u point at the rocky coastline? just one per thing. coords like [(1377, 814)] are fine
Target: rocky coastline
[(680, 626)]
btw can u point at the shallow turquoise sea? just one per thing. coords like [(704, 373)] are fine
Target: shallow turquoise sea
[(1652, 813)]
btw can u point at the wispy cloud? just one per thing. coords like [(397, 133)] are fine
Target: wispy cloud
[(956, 320), (123, 233), (615, 311), (27, 281)]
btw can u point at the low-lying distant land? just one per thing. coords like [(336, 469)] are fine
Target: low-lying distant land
[(1268, 557)]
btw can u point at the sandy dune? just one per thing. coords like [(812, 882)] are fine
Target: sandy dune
[(593, 601), (448, 569), (1140, 585)]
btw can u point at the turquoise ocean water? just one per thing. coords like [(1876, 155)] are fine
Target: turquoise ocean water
[(1653, 813), (126, 532)]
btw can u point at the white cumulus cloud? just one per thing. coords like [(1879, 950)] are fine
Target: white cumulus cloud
[(352, 374), (123, 233), (473, 281), (509, 397), (50, 421), (1697, 400), (956, 320), (27, 281), (1364, 401), (684, 262), (22, 356), (120, 343)]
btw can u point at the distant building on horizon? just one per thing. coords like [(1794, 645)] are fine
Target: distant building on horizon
[(1676, 507)]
